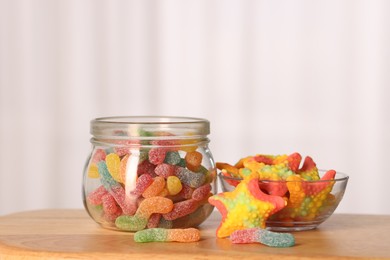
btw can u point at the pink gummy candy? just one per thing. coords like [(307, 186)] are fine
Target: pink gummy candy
[(143, 182), (95, 197), (202, 192), (165, 170), (181, 209), (109, 205), (157, 155)]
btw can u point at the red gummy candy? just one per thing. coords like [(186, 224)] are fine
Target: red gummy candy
[(186, 192), (263, 159), (308, 164), (157, 155), (99, 155), (143, 182), (95, 197), (109, 205), (202, 192), (293, 161), (181, 209), (146, 167), (154, 220), (165, 170), (312, 188)]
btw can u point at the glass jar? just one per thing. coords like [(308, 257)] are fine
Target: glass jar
[(149, 171)]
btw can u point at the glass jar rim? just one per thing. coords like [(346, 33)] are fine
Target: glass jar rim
[(102, 127)]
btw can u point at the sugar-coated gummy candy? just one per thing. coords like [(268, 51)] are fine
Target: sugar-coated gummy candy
[(146, 208), (154, 220), (182, 208), (93, 171), (263, 236), (157, 155), (193, 160), (202, 192), (143, 182), (155, 188), (165, 170), (109, 204), (174, 185), (145, 167), (172, 158), (186, 192), (167, 235), (116, 190), (113, 166), (95, 197), (123, 168), (99, 155), (190, 178)]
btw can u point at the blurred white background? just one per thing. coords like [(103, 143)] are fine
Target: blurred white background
[(272, 76)]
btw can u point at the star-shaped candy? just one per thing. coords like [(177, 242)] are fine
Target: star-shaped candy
[(246, 206)]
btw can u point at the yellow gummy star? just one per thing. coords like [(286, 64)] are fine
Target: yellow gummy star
[(246, 206)]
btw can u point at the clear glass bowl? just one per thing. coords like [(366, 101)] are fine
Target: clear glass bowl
[(149, 171), (303, 211)]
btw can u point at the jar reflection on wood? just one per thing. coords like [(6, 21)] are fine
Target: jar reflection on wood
[(146, 172)]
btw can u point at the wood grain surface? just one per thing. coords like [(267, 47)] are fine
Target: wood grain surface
[(72, 234)]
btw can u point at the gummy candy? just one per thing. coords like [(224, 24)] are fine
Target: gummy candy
[(157, 155), (95, 197), (172, 158), (155, 188), (181, 209), (174, 185), (263, 236), (165, 170), (143, 182), (141, 217), (115, 189), (193, 160), (167, 235), (245, 207), (202, 192), (192, 179), (113, 165)]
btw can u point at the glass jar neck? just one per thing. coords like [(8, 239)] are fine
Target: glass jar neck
[(150, 131)]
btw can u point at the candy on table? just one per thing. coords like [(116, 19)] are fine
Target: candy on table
[(126, 203), (140, 219), (172, 158), (95, 197), (165, 170), (202, 192), (190, 178), (263, 236), (246, 206), (167, 235), (193, 160), (174, 185), (155, 188), (113, 165), (181, 209)]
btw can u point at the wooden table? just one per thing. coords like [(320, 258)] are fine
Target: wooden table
[(71, 234)]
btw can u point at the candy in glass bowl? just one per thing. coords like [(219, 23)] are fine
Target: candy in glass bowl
[(311, 195)]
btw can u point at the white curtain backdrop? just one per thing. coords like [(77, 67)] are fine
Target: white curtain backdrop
[(273, 77)]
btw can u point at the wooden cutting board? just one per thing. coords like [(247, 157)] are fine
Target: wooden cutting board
[(72, 234)]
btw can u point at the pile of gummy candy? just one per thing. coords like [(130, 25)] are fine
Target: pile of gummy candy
[(289, 191), (162, 186)]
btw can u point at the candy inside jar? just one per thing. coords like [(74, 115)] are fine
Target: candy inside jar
[(148, 172)]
